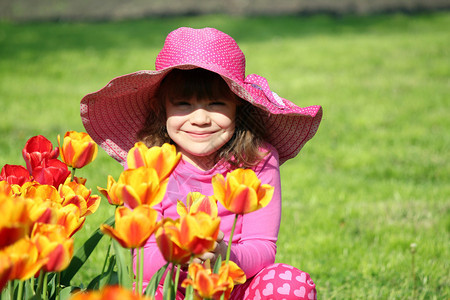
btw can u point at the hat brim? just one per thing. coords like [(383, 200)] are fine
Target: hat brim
[(113, 115)]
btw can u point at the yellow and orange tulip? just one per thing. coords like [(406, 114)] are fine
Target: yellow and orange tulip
[(16, 221), (132, 227), (208, 285), (196, 202), (6, 267), (53, 244), (140, 186), (163, 159), (168, 238), (69, 217), (78, 149), (25, 259), (79, 195), (110, 192), (199, 232), (242, 191)]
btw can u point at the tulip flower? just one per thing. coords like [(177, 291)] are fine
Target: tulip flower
[(16, 222), (132, 227), (53, 245), (44, 211), (69, 217), (168, 238), (199, 232), (38, 149), (51, 172), (242, 191), (36, 191), (163, 159), (196, 202), (78, 149), (14, 174), (110, 192), (209, 285), (6, 268), (79, 195), (6, 188), (25, 259), (140, 186)]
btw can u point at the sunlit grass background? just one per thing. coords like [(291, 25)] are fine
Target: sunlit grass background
[(374, 180)]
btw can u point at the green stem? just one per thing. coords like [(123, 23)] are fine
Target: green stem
[(72, 176), (11, 289), (231, 239), (106, 260), (177, 277), (130, 270), (141, 269), (20, 290), (44, 287), (40, 282), (58, 285)]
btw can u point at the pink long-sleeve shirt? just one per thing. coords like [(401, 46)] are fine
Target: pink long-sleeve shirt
[(254, 240)]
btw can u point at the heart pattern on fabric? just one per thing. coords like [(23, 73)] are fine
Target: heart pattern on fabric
[(257, 295), (301, 278), (311, 295), (284, 290), (270, 275), (255, 284), (286, 275), (300, 292), (268, 290)]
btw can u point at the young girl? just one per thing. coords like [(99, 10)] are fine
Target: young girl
[(199, 99)]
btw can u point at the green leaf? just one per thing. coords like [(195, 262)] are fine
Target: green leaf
[(168, 288), (83, 254), (217, 264), (156, 279), (123, 265)]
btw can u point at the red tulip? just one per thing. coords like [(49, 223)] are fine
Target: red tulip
[(38, 149), (14, 174), (52, 172)]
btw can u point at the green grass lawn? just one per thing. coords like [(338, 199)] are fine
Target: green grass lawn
[(374, 180)]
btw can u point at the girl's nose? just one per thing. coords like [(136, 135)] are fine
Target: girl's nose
[(200, 117)]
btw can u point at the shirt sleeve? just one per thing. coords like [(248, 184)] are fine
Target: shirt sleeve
[(256, 248)]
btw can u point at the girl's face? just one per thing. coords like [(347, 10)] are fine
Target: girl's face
[(200, 127)]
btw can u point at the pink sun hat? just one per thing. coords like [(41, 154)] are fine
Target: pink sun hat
[(113, 115)]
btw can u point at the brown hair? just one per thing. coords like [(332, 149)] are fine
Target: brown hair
[(242, 150)]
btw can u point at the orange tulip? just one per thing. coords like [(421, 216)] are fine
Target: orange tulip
[(44, 211), (140, 186), (209, 285), (69, 217), (199, 232), (196, 202), (79, 195), (109, 292), (163, 159), (53, 244), (16, 222), (40, 191), (25, 258), (6, 188), (78, 149), (242, 191), (168, 238), (132, 227), (110, 192), (6, 267)]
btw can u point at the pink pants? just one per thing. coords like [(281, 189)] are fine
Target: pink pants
[(276, 282)]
